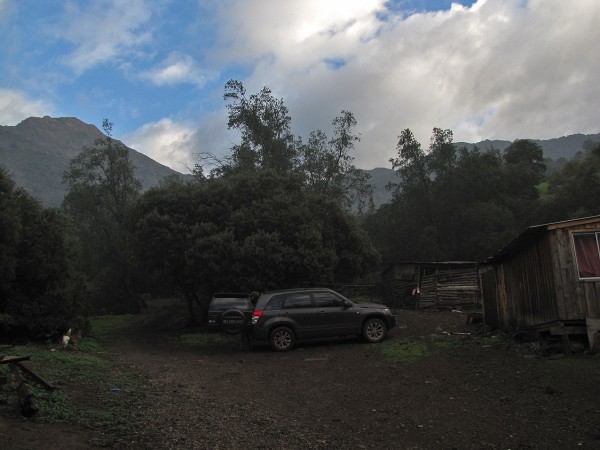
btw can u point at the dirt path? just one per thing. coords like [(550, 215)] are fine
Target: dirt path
[(345, 394)]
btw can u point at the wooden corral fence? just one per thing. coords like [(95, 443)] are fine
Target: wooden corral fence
[(372, 292), (431, 285), (18, 368)]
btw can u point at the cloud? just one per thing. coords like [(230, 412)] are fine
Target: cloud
[(15, 106), (179, 68), (103, 31), (5, 5), (168, 142), (499, 69)]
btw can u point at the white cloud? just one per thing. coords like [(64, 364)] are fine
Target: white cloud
[(168, 142), (500, 69), (103, 31), (179, 68), (15, 106)]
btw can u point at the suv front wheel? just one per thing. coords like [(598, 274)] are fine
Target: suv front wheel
[(282, 339), (374, 330)]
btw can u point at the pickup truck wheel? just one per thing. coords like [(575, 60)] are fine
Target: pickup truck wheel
[(282, 339), (374, 330)]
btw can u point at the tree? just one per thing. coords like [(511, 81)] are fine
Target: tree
[(10, 224), (455, 203), (267, 143), (412, 167), (575, 189), (524, 169), (264, 123), (101, 189), (40, 294), (329, 166), (250, 231)]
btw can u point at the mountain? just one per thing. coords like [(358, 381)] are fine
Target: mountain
[(37, 151), (380, 178), (565, 147), (562, 147)]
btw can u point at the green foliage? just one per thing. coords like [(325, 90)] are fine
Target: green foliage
[(456, 204), (574, 191), (101, 191), (206, 339), (103, 327), (264, 123), (10, 224), (246, 232), (118, 393), (267, 143), (329, 166), (40, 294), (402, 351)]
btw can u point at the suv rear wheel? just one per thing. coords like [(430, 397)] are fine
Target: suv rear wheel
[(374, 330), (282, 339)]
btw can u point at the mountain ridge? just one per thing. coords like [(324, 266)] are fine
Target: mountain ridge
[(37, 151)]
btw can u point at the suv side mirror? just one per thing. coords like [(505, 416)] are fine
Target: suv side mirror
[(348, 304)]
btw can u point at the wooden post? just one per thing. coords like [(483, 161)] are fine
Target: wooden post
[(28, 407), (593, 328), (35, 376)]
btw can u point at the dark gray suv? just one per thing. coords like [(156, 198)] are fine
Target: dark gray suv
[(230, 312), (282, 317)]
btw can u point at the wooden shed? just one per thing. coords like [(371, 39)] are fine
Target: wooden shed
[(546, 279), (413, 284)]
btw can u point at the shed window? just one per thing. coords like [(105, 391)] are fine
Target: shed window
[(587, 252)]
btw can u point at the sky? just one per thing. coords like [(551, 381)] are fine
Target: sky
[(156, 69)]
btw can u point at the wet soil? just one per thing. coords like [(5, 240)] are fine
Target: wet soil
[(473, 392)]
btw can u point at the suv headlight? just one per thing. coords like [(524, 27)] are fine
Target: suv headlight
[(387, 311)]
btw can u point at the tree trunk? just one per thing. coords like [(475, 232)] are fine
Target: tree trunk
[(190, 298)]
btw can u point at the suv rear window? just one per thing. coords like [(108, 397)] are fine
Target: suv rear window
[(226, 303), (275, 303)]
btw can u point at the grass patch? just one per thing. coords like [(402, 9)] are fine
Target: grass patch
[(159, 314), (92, 390), (104, 326), (408, 351), (207, 339)]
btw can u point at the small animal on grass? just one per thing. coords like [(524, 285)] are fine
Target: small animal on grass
[(66, 338), (76, 338)]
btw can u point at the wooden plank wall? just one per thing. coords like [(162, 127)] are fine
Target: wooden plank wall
[(449, 287), (540, 284), (398, 283), (490, 296), (526, 287)]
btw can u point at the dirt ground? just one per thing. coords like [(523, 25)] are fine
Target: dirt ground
[(343, 394)]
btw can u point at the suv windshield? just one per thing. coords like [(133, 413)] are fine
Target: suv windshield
[(226, 303)]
